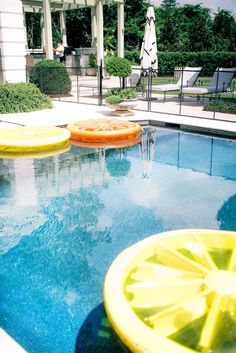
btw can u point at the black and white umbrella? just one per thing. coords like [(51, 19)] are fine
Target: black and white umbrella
[(148, 55)]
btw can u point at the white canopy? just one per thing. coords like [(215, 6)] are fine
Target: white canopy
[(148, 55)]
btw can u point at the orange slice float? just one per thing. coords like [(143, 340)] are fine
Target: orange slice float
[(109, 144), (103, 130)]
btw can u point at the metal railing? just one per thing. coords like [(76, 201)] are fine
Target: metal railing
[(93, 89)]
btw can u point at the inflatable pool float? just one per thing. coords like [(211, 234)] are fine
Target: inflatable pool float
[(175, 292), (103, 130), (36, 155), (110, 144), (31, 139)]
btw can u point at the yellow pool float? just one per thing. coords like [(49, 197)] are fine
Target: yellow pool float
[(36, 155), (175, 292), (31, 139)]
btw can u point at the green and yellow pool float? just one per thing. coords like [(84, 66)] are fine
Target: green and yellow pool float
[(33, 139), (175, 292)]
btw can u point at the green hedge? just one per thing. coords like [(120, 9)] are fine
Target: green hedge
[(209, 61), (222, 106), (50, 76), (22, 97)]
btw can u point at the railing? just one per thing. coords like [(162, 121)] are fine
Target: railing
[(151, 98)]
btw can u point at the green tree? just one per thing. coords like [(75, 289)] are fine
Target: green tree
[(168, 34), (33, 30), (197, 26), (135, 18), (78, 24), (224, 30)]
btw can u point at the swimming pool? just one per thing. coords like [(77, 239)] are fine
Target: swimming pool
[(65, 218)]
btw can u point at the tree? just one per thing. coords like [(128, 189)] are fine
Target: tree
[(197, 26), (168, 26), (78, 24), (135, 18), (224, 30)]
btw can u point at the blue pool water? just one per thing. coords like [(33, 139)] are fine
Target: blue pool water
[(63, 220)]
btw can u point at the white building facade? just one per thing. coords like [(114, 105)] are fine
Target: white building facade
[(13, 40)]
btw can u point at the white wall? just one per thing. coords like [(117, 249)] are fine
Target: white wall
[(12, 42)]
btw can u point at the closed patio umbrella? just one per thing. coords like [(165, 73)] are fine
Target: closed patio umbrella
[(148, 55)]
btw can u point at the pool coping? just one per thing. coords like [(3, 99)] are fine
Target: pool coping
[(63, 113), (8, 344)]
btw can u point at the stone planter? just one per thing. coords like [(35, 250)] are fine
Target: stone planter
[(91, 71), (123, 108)]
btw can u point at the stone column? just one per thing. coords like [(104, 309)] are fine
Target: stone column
[(120, 29), (12, 42), (63, 28), (48, 28), (43, 39), (100, 39), (93, 27), (25, 29)]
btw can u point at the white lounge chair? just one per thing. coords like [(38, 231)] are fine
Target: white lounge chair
[(134, 78), (187, 78), (220, 82)]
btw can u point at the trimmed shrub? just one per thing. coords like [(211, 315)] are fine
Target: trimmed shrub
[(209, 61), (119, 67), (116, 99), (118, 95), (51, 76), (22, 97), (222, 106)]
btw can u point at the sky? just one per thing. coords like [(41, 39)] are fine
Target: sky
[(212, 4)]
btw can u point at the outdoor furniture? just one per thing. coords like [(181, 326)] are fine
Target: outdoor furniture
[(220, 82), (188, 77), (111, 82)]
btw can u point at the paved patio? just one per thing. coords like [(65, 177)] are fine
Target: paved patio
[(64, 112)]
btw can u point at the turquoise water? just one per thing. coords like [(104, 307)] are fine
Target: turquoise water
[(64, 219)]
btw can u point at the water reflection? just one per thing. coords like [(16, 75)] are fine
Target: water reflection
[(147, 150), (65, 218), (227, 214)]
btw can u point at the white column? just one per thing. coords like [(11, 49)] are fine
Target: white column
[(93, 27), (120, 29), (25, 30), (48, 28), (43, 39), (63, 28), (12, 41), (100, 40)]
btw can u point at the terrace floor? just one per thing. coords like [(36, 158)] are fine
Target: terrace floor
[(64, 112)]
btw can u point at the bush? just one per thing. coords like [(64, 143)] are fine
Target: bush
[(116, 99), (22, 97), (92, 60), (118, 67), (222, 106), (51, 76), (209, 61), (118, 95)]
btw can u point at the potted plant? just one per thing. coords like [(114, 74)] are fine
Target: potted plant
[(92, 65), (121, 99)]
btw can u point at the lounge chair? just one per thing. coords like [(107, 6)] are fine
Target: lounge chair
[(134, 78), (220, 82), (187, 78), (112, 81)]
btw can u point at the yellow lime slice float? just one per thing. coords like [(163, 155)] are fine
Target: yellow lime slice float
[(33, 139), (175, 292), (36, 155)]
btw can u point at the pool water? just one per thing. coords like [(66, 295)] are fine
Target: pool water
[(63, 220)]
